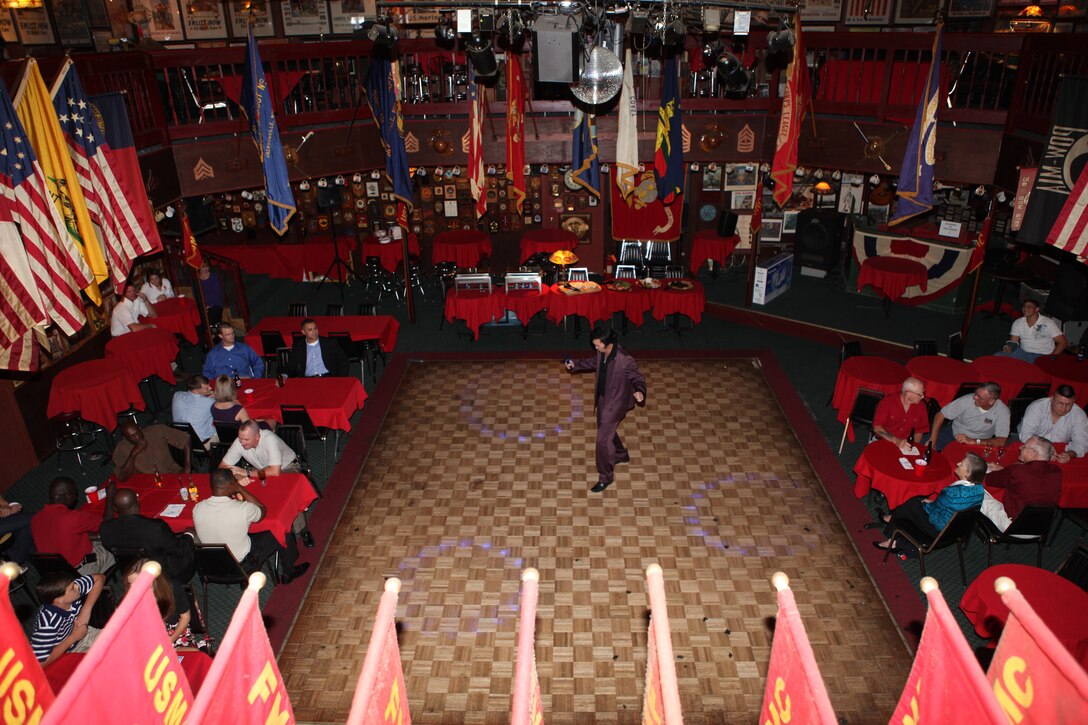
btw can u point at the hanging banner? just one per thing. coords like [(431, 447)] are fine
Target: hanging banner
[(643, 216), (1023, 195)]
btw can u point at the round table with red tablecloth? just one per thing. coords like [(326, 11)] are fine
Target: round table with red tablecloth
[(563, 303), (708, 245), (1060, 603), (879, 467), (535, 241), (463, 247), (679, 296), (475, 307), (145, 352), (942, 375), (527, 303), (390, 253), (629, 297), (178, 315), (1074, 473), (98, 389), (1008, 372), (891, 276), (865, 371), (1066, 370)]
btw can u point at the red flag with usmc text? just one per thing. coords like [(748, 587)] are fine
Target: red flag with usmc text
[(25, 694), (515, 130), (946, 684), (131, 674), (795, 103), (244, 684), (193, 258), (795, 690)]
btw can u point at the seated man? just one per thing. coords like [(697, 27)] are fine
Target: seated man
[(897, 415), (15, 521), (1034, 335), (156, 288), (1034, 481), (62, 624), (231, 357), (315, 356), (225, 518), (62, 528), (130, 530), (125, 317), (979, 418), (148, 450), (1058, 419), (194, 406)]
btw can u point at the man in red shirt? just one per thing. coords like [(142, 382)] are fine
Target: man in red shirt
[(1034, 481), (897, 415), (61, 528)]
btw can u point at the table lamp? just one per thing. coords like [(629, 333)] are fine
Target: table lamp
[(564, 258), (822, 190)]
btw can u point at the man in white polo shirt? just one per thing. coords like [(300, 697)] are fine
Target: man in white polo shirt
[(980, 418), (1034, 335)]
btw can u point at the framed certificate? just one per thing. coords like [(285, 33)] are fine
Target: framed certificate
[(240, 11), (205, 20), (305, 17), (34, 26)]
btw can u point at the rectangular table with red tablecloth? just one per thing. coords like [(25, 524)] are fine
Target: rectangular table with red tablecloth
[(330, 401), (382, 328)]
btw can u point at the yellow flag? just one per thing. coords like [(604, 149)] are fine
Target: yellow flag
[(35, 109)]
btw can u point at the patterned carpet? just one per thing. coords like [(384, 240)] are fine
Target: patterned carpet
[(483, 468)]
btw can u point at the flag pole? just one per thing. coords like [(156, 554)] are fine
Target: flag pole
[(969, 314), (753, 252)]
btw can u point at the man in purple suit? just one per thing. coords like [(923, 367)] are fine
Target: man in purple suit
[(619, 386)]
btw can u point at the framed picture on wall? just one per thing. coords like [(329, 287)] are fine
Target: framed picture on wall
[(771, 231), (160, 18), (205, 20), (342, 11), (240, 11), (577, 224), (789, 222), (916, 12), (822, 11), (880, 12), (34, 26), (743, 200), (7, 27), (970, 8), (712, 178), (740, 177), (97, 15), (73, 29), (305, 17)]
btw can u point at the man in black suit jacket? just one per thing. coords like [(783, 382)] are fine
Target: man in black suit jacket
[(130, 530), (314, 356)]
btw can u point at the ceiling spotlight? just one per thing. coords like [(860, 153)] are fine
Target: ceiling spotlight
[(712, 50), (479, 51), (384, 35), (511, 28), (444, 32), (780, 41), (732, 73), (674, 32)]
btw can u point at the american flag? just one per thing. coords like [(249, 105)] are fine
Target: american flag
[(122, 234), (20, 307), (476, 146), (57, 269), (1070, 230)]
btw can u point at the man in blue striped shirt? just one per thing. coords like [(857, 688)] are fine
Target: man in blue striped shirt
[(62, 624), (194, 406)]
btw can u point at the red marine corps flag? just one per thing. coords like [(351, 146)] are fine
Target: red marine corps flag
[(515, 129), (795, 104), (661, 700), (25, 694), (193, 258), (527, 707), (380, 698), (477, 180)]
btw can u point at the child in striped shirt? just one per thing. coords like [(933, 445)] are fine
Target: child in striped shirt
[(62, 624)]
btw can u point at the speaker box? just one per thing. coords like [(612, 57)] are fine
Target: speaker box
[(818, 242), (727, 224), (330, 197), (556, 50), (1068, 298)]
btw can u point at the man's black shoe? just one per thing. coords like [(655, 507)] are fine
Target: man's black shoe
[(307, 539), (600, 486), (295, 573)]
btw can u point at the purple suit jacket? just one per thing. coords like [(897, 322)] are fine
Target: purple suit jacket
[(623, 380)]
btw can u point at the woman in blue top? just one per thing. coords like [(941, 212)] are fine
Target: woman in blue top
[(932, 516)]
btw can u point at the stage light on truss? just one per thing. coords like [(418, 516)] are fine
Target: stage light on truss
[(482, 55), (383, 34), (780, 41)]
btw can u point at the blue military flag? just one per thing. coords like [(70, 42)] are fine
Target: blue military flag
[(381, 80), (256, 102), (916, 176), (669, 149), (586, 169)]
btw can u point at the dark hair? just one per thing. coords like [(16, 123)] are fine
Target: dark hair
[(605, 334), (197, 381), (307, 321), (1066, 391), (976, 467), (160, 587), (224, 325), (53, 585), (1032, 300), (220, 478)]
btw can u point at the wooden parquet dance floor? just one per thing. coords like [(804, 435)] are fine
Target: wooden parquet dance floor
[(483, 468)]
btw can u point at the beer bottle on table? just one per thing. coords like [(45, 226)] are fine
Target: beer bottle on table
[(237, 380), (929, 452), (910, 438)]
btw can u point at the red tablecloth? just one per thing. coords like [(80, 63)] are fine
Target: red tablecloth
[(942, 375), (390, 254), (98, 389), (891, 276), (527, 303), (284, 496), (145, 352), (590, 305), (463, 247), (1066, 370), (194, 664), (633, 303), (178, 315), (382, 328), (708, 245), (475, 307), (1060, 603), (329, 401), (1008, 372), (865, 371), (689, 302), (1074, 473), (879, 468), (535, 241), (287, 261)]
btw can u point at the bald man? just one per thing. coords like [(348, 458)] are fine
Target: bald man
[(147, 450), (131, 530), (61, 527)]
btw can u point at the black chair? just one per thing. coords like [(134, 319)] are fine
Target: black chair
[(215, 564), (215, 455), (197, 445), (368, 308), (297, 415), (955, 346), (932, 408), (958, 532), (967, 389), (849, 349), (1017, 408), (271, 341), (150, 388), (863, 411), (334, 309), (353, 354), (297, 309), (74, 435), (292, 435), (1077, 516), (1034, 391), (1075, 567), (925, 347), (1032, 526), (283, 360), (226, 432)]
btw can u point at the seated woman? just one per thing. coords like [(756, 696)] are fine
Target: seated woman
[(156, 288), (170, 598), (227, 409), (932, 516)]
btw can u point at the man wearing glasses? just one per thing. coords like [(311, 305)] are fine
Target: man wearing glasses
[(979, 418), (897, 415)]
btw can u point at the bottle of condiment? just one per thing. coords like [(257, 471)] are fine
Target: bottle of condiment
[(184, 493), (193, 493), (910, 438), (929, 452), (158, 478)]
